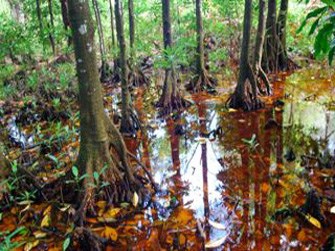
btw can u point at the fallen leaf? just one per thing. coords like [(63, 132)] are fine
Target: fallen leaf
[(39, 234), (216, 225), (109, 233), (135, 200), (101, 204), (46, 221), (30, 245), (111, 213), (332, 210), (217, 243), (312, 220)]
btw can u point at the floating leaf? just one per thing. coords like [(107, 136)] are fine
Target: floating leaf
[(135, 200), (332, 210), (312, 220), (216, 243), (109, 233), (216, 225)]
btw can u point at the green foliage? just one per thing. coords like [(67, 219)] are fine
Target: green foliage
[(324, 26), (7, 243)]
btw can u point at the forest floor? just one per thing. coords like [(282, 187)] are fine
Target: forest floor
[(228, 179)]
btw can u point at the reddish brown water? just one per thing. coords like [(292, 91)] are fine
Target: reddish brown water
[(241, 186)]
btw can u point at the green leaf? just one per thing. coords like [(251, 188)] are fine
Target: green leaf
[(66, 243), (313, 13), (96, 176), (313, 27), (75, 171)]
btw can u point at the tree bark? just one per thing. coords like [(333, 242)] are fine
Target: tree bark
[(245, 94), (170, 99), (131, 23), (281, 32), (97, 133), (270, 57), (39, 16), (112, 22), (201, 81), (128, 120), (100, 32), (258, 53), (51, 27), (65, 19)]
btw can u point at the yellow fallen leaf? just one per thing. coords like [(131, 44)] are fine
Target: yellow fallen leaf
[(47, 210), (109, 233), (30, 245), (101, 204), (111, 213), (232, 110), (46, 221), (312, 220), (135, 199), (39, 234), (332, 210)]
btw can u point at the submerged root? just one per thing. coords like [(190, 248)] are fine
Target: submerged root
[(202, 82)]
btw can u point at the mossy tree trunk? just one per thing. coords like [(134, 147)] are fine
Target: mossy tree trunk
[(201, 81), (97, 133), (258, 53), (129, 121), (170, 99), (4, 173), (245, 94)]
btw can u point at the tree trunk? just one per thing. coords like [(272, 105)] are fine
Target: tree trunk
[(51, 27), (112, 22), (39, 16), (281, 31), (270, 57), (65, 18), (245, 95), (170, 99), (129, 119), (201, 81), (258, 53), (97, 133), (131, 23)]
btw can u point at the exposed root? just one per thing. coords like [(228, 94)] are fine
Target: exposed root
[(247, 99), (171, 100), (202, 82)]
